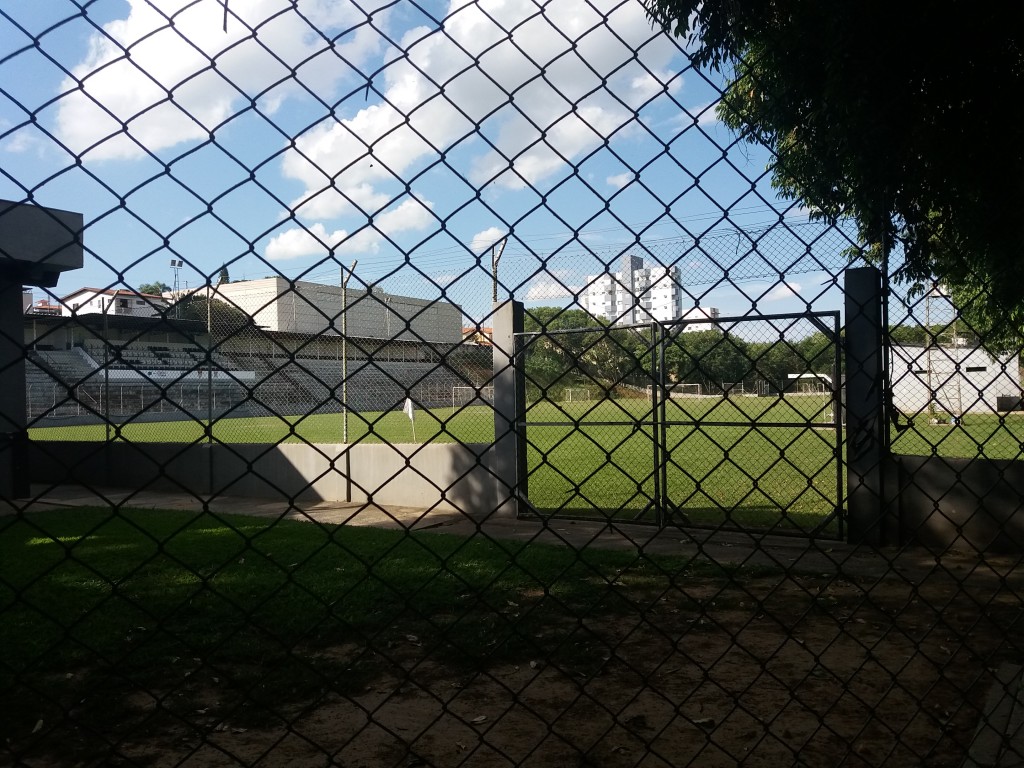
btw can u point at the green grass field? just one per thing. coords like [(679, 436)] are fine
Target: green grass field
[(590, 458), (94, 595)]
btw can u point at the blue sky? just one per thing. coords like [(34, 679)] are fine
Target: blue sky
[(292, 139)]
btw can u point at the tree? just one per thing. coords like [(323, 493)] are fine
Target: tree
[(899, 115), (709, 358), (225, 319), (156, 288), (223, 276)]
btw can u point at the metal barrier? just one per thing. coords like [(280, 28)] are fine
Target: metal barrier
[(396, 324), (658, 438)]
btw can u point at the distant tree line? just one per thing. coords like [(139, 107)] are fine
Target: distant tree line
[(616, 358)]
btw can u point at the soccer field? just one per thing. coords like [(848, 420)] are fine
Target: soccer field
[(718, 459)]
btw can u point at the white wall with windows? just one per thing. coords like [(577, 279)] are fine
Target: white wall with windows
[(941, 380), (112, 302), (277, 304)]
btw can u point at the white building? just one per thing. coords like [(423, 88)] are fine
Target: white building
[(640, 294), (112, 301), (279, 305), (951, 380), (701, 313)]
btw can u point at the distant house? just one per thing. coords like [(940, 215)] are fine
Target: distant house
[(112, 301), (701, 313), (635, 294), (474, 334), (44, 307)]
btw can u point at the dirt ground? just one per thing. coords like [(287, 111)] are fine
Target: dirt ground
[(770, 670)]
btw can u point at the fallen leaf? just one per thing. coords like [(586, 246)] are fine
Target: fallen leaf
[(479, 719), (39, 726)]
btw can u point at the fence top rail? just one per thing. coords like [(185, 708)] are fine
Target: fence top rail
[(834, 314), (748, 318)]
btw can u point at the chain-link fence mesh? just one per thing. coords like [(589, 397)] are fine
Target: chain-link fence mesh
[(292, 483)]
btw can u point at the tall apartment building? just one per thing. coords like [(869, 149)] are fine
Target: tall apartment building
[(641, 294), (635, 294)]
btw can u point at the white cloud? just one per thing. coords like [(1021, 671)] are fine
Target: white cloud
[(409, 215), (521, 106), (185, 74), (620, 180), (491, 85), (543, 288), (483, 240), (298, 242), (783, 291)]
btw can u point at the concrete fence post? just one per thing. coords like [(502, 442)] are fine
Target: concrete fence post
[(13, 437), (867, 430), (509, 464)]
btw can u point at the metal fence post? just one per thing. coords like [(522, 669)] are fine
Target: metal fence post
[(13, 437), (867, 435), (509, 407)]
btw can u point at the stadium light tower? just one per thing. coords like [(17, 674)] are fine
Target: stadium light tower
[(176, 265)]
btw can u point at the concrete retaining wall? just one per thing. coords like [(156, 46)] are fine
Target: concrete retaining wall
[(966, 504), (444, 475)]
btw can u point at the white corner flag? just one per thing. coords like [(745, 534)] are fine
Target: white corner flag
[(408, 410)]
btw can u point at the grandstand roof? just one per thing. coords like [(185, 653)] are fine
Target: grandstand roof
[(97, 321)]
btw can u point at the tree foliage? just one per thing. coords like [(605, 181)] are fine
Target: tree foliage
[(898, 115), (598, 354), (155, 288), (224, 319)]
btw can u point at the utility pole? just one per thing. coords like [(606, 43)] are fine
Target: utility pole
[(344, 377), (496, 251), (344, 349)]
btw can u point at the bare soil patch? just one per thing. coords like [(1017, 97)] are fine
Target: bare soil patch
[(766, 670)]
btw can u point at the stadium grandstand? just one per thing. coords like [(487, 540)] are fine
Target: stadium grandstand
[(272, 348)]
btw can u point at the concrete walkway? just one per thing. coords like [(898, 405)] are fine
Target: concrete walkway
[(822, 556)]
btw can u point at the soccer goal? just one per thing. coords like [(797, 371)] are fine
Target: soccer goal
[(577, 394), (685, 390), (463, 396)]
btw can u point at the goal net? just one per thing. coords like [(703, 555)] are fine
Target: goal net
[(463, 396), (684, 390), (577, 394)]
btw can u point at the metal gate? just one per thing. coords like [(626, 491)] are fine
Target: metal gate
[(722, 423)]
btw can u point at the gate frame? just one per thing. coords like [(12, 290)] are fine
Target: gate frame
[(508, 429)]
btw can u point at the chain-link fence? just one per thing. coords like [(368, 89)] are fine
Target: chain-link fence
[(448, 386)]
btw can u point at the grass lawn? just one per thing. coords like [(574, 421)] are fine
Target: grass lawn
[(724, 462), (987, 435), (738, 468), (136, 593), (152, 637)]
